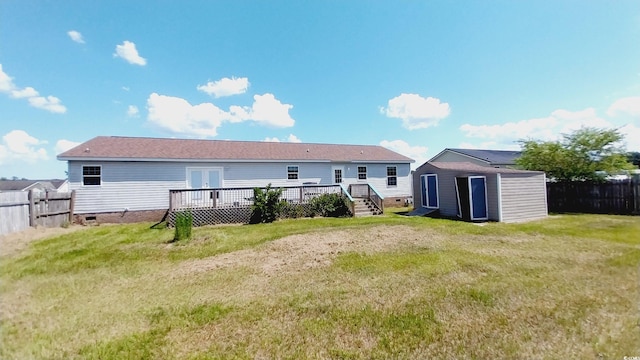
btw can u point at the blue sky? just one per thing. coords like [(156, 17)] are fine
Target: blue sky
[(414, 76)]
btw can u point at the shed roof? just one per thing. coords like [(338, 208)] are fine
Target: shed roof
[(469, 167), (493, 157), (162, 149), (20, 185)]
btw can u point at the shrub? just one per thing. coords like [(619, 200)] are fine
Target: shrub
[(330, 205), (291, 211), (266, 205), (184, 223)]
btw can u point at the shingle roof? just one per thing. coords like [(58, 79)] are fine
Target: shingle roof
[(19, 185), (158, 149), (469, 167), (493, 157)]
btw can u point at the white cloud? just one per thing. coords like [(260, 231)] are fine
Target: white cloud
[(132, 111), (225, 87), (291, 138), (63, 145), (24, 93), (415, 111), (294, 139), (177, 115), (631, 137), (128, 52), (49, 103), (6, 82), (628, 106), (17, 145), (548, 128), (75, 36), (266, 110), (417, 153)]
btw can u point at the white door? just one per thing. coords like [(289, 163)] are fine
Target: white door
[(337, 174), (204, 178)]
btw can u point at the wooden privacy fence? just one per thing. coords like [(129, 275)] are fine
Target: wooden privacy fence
[(19, 210), (613, 197)]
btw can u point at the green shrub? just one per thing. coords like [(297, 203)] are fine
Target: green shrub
[(266, 205), (292, 211), (184, 223), (331, 205)]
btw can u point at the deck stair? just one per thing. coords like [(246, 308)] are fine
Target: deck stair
[(365, 207)]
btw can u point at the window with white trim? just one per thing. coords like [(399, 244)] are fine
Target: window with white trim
[(292, 172), (362, 173), (91, 175), (392, 176)]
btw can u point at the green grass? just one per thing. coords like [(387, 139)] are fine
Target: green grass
[(364, 288)]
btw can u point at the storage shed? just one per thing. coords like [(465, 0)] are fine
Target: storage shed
[(478, 193)]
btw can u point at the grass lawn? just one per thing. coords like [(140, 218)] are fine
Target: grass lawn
[(366, 288)]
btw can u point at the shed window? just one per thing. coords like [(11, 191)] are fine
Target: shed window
[(392, 176), (91, 175), (292, 172), (362, 173)]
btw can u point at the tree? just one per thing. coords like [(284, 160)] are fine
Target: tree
[(634, 158), (585, 154), (266, 205)]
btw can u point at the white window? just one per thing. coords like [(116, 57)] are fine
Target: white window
[(362, 173), (91, 175), (292, 172), (392, 176)]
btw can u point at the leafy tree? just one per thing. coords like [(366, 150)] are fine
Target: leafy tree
[(266, 205), (634, 158), (585, 154)]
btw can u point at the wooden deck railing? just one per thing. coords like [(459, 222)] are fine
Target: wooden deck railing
[(367, 191), (182, 199)]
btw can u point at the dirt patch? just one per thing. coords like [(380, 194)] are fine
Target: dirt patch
[(11, 244), (300, 252)]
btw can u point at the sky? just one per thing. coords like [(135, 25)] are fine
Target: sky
[(413, 76)]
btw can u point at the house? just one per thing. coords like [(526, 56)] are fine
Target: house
[(114, 176), (56, 185), (479, 193), (491, 158)]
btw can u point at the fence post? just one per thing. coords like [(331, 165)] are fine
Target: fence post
[(635, 192), (32, 209), (72, 204)]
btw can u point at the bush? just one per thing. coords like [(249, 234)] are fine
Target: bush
[(266, 205), (291, 211), (184, 224), (331, 205)]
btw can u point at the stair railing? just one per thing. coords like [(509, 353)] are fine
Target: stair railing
[(352, 203), (367, 191)]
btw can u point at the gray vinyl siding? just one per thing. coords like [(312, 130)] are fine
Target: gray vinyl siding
[(447, 199), (135, 186), (520, 196), (139, 185), (523, 197)]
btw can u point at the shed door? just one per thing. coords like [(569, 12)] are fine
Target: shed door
[(429, 184), (479, 206), (472, 198)]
